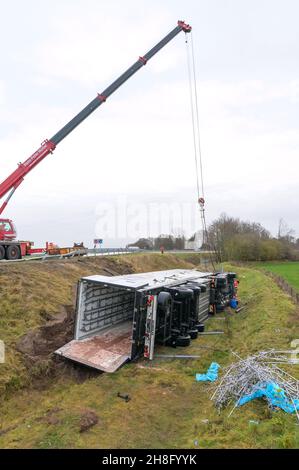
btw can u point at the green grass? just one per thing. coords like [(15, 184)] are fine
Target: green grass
[(288, 270), (168, 408)]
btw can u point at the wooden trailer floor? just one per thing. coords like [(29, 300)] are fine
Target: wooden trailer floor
[(106, 351)]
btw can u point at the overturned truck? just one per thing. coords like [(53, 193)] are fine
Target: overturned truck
[(121, 318)]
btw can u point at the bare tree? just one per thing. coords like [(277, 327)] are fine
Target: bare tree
[(285, 232)]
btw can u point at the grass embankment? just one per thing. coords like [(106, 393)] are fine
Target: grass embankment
[(289, 270), (167, 407)]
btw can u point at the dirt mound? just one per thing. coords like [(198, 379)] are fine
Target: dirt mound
[(37, 348), (42, 341), (88, 419)]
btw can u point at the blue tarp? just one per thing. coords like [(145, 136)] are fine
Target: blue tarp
[(211, 374), (274, 394)]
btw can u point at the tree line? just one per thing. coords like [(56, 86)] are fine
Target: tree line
[(168, 242), (236, 240)]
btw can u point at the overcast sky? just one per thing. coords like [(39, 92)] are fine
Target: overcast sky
[(134, 154)]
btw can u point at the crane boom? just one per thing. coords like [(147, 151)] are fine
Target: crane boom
[(48, 146)]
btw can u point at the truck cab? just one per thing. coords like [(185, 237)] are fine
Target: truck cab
[(7, 230), (9, 248)]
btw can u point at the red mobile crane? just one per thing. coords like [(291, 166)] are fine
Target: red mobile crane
[(9, 247)]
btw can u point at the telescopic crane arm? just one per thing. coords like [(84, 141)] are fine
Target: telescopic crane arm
[(48, 146)]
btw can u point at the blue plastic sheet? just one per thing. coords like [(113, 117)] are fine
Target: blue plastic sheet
[(275, 395), (211, 375)]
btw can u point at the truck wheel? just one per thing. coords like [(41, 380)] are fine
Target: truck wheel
[(183, 341), (12, 252), (171, 342), (2, 252), (164, 299), (200, 327), (175, 331), (193, 333)]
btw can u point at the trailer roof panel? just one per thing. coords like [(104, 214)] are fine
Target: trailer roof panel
[(148, 280)]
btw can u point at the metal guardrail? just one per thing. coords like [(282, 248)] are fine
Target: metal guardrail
[(98, 252), (111, 251), (76, 253)]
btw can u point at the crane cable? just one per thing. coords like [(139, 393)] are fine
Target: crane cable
[(196, 139), (192, 77)]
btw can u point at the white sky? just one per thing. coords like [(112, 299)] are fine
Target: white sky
[(56, 55)]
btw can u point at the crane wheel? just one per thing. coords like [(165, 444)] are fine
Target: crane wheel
[(2, 252), (13, 252)]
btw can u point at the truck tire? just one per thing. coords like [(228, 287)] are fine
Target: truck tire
[(183, 341), (2, 252), (175, 332), (171, 342), (164, 299), (165, 303), (13, 252), (200, 327), (193, 333)]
